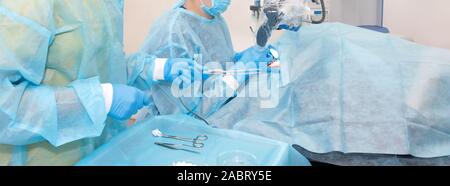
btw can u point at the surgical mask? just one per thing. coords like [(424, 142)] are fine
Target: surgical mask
[(218, 7)]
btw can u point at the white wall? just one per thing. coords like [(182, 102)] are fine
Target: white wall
[(139, 15), (356, 12), (426, 22)]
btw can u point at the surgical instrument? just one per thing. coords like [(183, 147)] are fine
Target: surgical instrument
[(285, 14), (273, 54), (175, 147), (232, 72), (197, 142)]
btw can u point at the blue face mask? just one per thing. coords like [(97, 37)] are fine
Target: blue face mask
[(218, 7)]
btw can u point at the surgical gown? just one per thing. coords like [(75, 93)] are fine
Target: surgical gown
[(350, 90), (54, 54), (181, 33)]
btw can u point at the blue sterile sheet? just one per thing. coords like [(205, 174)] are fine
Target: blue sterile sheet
[(136, 146)]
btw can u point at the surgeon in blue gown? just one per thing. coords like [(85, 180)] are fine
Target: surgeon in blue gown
[(64, 76), (196, 29)]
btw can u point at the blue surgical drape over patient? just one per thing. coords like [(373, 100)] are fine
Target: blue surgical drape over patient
[(352, 90), (53, 56)]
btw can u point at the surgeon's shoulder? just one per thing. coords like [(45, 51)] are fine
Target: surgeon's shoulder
[(173, 14)]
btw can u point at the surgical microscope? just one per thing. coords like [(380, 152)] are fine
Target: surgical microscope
[(284, 15)]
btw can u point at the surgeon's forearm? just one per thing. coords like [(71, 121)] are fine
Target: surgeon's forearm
[(57, 114), (140, 67)]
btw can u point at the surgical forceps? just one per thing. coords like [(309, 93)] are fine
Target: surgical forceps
[(175, 147), (197, 142), (232, 72)]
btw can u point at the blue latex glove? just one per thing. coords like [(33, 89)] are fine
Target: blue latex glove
[(185, 70), (127, 101), (256, 54)]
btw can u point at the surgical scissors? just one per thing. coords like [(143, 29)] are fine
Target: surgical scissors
[(197, 142)]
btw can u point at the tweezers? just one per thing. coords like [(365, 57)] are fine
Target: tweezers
[(174, 147)]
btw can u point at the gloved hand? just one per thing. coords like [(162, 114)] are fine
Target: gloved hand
[(257, 55), (127, 101), (185, 70)]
